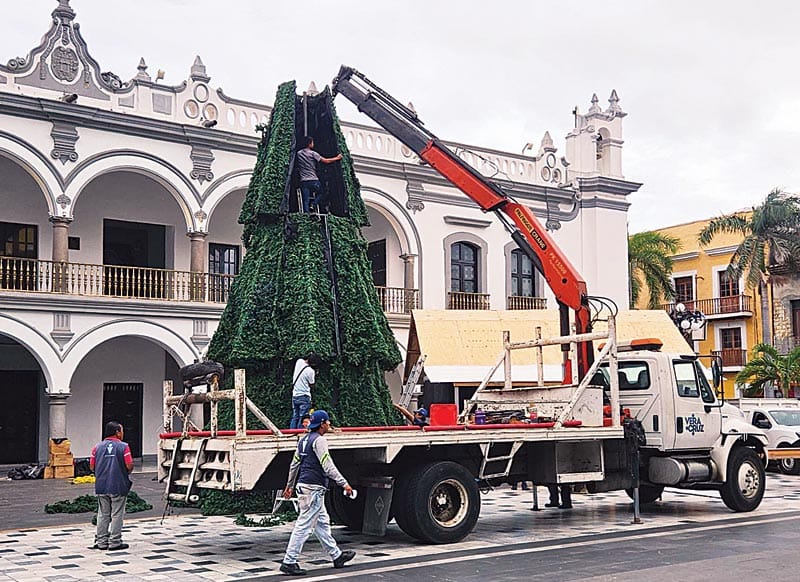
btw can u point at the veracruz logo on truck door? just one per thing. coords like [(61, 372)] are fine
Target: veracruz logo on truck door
[(694, 425)]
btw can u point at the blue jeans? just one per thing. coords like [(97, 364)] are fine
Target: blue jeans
[(307, 188), (313, 518), (300, 406)]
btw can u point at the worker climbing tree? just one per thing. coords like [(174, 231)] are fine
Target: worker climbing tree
[(305, 283)]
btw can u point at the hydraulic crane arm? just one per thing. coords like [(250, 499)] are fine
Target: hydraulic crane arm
[(403, 123)]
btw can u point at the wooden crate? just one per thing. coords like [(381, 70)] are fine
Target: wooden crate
[(59, 448), (49, 473), (64, 472), (61, 460)]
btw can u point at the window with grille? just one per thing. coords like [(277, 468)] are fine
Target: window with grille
[(684, 289), (464, 268), (731, 338), (728, 286), (223, 265), (523, 275)]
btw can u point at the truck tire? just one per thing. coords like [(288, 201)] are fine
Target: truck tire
[(349, 512), (744, 487), (647, 493), (789, 466), (439, 504)]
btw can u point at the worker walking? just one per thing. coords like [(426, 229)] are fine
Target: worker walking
[(111, 461), (313, 467), (307, 160)]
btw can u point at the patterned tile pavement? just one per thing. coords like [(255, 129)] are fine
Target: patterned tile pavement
[(191, 547)]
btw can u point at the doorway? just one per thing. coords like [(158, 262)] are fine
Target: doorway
[(376, 253), (19, 426), (122, 401), (142, 246)]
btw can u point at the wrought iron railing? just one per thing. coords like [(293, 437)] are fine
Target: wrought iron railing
[(398, 299), (518, 302), (717, 305), (471, 301), (731, 357)]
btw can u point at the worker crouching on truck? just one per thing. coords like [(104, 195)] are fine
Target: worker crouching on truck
[(313, 467), (419, 418)]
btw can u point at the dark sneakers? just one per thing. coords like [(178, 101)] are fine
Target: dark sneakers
[(119, 547), (345, 557), (292, 569), (96, 547)]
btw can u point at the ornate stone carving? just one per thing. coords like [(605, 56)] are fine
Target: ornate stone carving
[(62, 331), (202, 158), (201, 216), (64, 64), (111, 80), (414, 190), (64, 201), (64, 137), (16, 63)]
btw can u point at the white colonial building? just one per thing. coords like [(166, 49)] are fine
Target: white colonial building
[(119, 233)]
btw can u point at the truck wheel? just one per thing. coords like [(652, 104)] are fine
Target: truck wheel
[(647, 493), (744, 487), (349, 512), (439, 504)]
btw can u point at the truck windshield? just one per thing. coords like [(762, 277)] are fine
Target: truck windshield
[(786, 417)]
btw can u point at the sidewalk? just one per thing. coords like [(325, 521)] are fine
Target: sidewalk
[(22, 502), (192, 547)]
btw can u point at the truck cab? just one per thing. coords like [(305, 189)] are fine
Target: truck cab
[(779, 419), (690, 438)]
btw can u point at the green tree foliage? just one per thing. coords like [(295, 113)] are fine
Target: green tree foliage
[(281, 306), (770, 237), (769, 368), (650, 265)]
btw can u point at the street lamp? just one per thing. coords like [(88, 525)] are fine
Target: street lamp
[(688, 321)]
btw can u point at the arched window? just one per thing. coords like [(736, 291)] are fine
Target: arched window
[(523, 275), (464, 268)]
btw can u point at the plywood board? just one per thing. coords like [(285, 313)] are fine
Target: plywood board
[(473, 340)]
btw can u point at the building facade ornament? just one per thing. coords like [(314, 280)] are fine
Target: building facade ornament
[(202, 158), (64, 138)]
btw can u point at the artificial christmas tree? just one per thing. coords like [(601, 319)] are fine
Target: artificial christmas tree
[(306, 284)]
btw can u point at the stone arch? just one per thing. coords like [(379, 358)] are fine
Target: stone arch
[(396, 215), (37, 344), (35, 164), (222, 187), (158, 170), (177, 347)]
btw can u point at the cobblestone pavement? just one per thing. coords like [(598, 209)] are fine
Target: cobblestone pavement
[(192, 547)]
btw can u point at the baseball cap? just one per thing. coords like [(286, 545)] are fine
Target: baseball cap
[(423, 412), (317, 419)]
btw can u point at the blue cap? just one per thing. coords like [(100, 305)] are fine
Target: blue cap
[(317, 419), (423, 412)]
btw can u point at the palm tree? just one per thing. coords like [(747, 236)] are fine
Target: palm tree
[(650, 264), (770, 241), (769, 368)]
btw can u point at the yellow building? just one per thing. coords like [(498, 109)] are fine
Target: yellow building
[(732, 311)]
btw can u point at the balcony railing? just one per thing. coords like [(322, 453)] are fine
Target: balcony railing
[(471, 301), (731, 357), (398, 299), (717, 305), (33, 275), (518, 302)]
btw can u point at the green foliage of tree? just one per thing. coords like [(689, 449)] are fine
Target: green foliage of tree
[(281, 305), (767, 367), (770, 237), (650, 265)]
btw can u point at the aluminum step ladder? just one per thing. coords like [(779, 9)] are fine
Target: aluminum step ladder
[(486, 449), (183, 472), (408, 389)]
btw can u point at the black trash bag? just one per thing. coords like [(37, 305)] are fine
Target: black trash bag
[(32, 471), (201, 373), (82, 468)]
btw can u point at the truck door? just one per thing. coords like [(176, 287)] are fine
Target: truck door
[(638, 392), (698, 419)]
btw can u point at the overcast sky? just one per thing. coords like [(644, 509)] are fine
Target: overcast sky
[(711, 88)]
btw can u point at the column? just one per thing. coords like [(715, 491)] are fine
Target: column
[(197, 265), (60, 252), (409, 287), (58, 415)]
